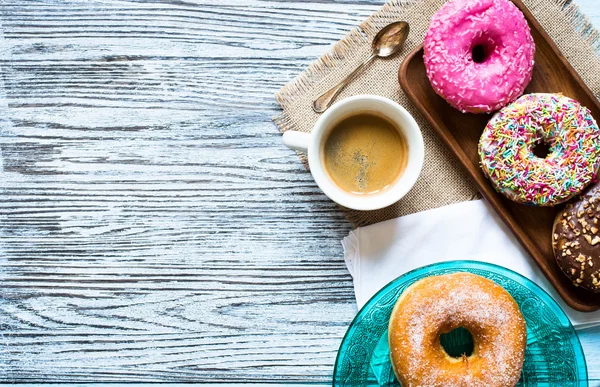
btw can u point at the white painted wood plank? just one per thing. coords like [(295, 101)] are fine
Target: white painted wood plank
[(153, 228)]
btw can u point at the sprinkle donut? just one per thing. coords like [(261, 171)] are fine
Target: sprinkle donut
[(506, 149), (479, 54)]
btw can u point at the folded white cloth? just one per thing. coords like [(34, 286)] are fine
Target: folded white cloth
[(377, 254)]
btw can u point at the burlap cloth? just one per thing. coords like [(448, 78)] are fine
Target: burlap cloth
[(442, 180)]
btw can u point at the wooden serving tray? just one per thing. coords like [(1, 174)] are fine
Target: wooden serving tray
[(461, 132)]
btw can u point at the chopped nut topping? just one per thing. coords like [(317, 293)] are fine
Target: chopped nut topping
[(591, 241), (594, 230)]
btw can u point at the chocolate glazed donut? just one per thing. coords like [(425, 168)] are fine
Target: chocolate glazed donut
[(576, 240)]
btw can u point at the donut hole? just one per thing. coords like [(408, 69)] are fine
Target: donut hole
[(541, 150), (458, 342), (480, 53), (483, 47)]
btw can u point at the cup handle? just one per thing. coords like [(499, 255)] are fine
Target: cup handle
[(296, 140)]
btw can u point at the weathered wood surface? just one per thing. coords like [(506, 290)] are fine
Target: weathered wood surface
[(152, 227)]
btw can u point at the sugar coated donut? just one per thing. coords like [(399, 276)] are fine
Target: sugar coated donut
[(506, 149), (576, 240), (437, 305), (479, 54)]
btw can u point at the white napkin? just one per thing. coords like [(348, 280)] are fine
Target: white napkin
[(377, 254)]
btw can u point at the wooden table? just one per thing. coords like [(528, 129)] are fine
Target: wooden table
[(152, 226)]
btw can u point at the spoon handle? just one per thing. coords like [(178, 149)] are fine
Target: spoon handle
[(326, 99)]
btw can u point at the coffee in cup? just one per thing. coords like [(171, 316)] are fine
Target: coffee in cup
[(365, 153)]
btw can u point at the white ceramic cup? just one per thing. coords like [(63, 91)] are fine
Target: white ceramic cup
[(312, 143)]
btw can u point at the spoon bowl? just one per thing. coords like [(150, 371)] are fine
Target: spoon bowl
[(390, 39)]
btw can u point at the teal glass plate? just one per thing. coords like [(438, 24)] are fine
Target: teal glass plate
[(553, 356)]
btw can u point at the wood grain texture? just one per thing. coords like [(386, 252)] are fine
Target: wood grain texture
[(152, 227)]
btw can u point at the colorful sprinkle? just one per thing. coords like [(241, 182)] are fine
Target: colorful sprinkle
[(569, 130)]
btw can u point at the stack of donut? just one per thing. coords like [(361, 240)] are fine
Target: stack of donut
[(480, 63)]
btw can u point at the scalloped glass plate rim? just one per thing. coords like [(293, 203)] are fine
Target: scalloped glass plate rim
[(463, 264)]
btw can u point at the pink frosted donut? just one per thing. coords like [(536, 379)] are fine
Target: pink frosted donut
[(479, 54)]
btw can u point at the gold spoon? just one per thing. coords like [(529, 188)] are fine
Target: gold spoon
[(386, 43)]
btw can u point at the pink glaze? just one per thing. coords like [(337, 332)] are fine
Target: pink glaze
[(502, 31)]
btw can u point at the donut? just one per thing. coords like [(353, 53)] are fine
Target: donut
[(576, 240), (479, 54), (437, 305), (506, 149)]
